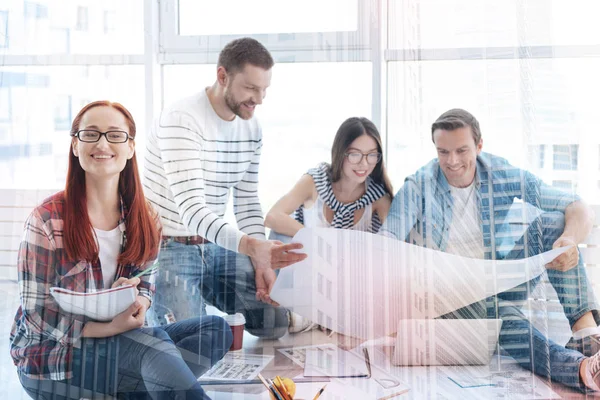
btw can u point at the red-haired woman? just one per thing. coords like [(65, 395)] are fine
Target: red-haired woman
[(100, 232)]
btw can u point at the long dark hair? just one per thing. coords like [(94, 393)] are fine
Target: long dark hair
[(143, 234), (347, 133)]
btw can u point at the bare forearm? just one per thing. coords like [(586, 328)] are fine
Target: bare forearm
[(282, 223), (579, 220), (99, 330), (116, 326)]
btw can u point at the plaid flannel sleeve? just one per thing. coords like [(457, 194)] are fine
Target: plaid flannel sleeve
[(147, 281), (550, 198), (404, 211), (36, 271)]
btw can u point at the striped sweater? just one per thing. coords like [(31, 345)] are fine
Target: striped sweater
[(193, 159)]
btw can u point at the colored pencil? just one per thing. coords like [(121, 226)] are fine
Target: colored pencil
[(320, 392)]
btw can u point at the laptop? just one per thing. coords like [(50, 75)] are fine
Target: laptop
[(446, 341)]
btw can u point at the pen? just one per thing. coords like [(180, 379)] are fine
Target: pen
[(146, 271), (367, 361), (320, 392)]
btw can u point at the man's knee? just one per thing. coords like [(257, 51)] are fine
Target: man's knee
[(274, 323)]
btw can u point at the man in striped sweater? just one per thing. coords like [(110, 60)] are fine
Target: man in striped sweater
[(202, 148)]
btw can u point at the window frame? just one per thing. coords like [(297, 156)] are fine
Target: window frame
[(351, 46)]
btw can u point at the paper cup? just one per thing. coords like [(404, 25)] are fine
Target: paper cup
[(237, 323)]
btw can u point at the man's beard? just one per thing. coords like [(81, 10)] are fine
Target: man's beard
[(234, 106)]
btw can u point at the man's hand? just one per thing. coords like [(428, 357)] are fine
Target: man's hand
[(273, 254), (568, 259), (266, 257), (265, 279)]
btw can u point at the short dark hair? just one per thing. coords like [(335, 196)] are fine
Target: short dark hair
[(239, 52), (455, 119)]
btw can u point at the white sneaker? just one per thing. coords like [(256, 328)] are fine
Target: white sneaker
[(300, 324)]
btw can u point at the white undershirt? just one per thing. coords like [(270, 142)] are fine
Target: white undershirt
[(465, 237), (109, 245)]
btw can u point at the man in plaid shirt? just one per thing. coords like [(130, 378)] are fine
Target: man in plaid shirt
[(464, 203)]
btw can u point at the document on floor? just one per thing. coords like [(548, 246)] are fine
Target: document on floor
[(335, 363), (513, 383), (100, 305), (236, 366), (360, 284), (298, 353)]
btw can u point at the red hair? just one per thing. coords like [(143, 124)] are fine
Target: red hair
[(143, 233)]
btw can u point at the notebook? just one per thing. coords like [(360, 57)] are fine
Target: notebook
[(446, 341), (101, 305)]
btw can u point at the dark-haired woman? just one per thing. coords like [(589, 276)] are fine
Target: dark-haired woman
[(353, 192)]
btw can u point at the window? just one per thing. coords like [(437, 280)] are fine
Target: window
[(537, 154), (480, 24), (82, 19), (297, 133), (553, 105), (311, 30), (208, 18), (34, 150), (109, 21), (62, 113), (419, 92), (3, 29), (565, 157), (5, 106), (64, 27), (61, 40), (35, 11)]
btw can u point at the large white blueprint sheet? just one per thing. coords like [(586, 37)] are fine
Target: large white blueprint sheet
[(360, 284)]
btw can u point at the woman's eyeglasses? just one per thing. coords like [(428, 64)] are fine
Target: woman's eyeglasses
[(356, 157), (92, 136)]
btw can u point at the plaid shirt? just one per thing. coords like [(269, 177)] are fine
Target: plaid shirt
[(421, 211), (42, 336)]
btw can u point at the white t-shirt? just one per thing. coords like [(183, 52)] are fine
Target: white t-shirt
[(465, 237), (109, 244)]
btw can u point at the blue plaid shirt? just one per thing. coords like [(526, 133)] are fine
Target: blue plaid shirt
[(421, 211)]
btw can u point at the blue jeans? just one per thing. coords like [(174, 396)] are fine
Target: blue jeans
[(526, 344), (535, 352), (572, 287), (157, 363), (190, 275)]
